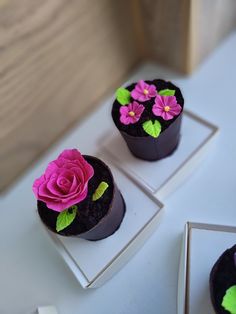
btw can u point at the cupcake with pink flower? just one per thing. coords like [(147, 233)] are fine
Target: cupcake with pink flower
[(77, 196), (148, 115)]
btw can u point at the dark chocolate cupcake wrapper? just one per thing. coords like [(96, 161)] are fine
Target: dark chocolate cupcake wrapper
[(152, 149), (110, 222)]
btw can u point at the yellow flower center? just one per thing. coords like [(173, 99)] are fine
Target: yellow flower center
[(145, 91), (167, 108), (131, 113)]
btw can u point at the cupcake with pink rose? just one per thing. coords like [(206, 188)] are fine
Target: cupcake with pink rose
[(148, 115), (77, 196)]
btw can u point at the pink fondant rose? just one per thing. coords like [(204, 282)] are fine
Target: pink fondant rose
[(65, 181)]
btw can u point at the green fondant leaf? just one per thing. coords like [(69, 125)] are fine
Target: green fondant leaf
[(100, 190), (152, 128), (65, 218), (166, 92), (229, 300), (123, 96)]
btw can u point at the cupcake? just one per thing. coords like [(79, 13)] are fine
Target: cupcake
[(148, 115), (77, 196), (223, 283)]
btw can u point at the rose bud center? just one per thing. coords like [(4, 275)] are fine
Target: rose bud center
[(64, 182)]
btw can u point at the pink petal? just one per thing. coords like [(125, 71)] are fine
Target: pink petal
[(38, 182), (135, 94), (86, 168), (124, 110), (62, 204), (139, 111), (159, 100), (51, 168), (139, 89), (176, 109), (159, 105), (169, 101), (73, 185), (125, 119), (142, 84), (135, 118), (143, 97), (71, 194), (64, 172), (90, 171), (80, 175), (167, 115), (63, 183), (76, 198), (56, 205), (152, 91), (157, 110), (133, 106), (71, 154), (69, 164), (44, 194), (54, 189)]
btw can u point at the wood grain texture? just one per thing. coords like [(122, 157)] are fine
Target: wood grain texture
[(210, 22), (57, 58), (180, 34), (166, 28)]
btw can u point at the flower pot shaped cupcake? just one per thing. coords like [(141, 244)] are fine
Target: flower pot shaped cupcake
[(148, 115), (223, 283), (77, 196)]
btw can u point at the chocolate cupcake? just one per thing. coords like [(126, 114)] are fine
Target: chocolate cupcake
[(223, 283), (148, 115), (77, 196)]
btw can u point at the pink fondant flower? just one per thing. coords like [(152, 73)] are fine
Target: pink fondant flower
[(166, 107), (131, 114), (65, 181), (143, 91)]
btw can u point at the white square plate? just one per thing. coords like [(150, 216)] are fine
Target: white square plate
[(202, 246), (160, 178), (93, 262)]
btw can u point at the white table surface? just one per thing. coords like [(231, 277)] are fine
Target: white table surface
[(33, 274)]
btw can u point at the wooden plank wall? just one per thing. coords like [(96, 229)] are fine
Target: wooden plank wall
[(166, 31), (57, 58), (181, 33), (210, 23)]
